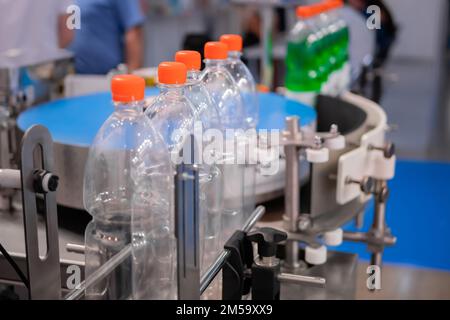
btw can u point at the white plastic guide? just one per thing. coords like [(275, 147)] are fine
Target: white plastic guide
[(364, 162)]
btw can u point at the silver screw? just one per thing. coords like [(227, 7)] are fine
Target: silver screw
[(304, 223), (334, 129), (317, 142)]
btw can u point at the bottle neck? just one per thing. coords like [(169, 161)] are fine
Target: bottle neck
[(193, 75), (173, 88), (234, 55), (333, 15), (215, 62), (132, 105)]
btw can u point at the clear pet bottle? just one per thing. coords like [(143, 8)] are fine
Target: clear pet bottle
[(126, 190)]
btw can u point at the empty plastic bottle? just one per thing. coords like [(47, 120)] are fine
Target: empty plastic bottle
[(225, 94), (211, 178), (126, 190), (246, 83), (173, 117), (243, 77), (172, 114)]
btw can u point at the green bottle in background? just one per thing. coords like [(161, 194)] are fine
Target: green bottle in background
[(304, 77)]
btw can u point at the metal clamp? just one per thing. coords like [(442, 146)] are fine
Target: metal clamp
[(379, 235)]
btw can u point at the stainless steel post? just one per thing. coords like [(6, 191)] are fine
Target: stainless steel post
[(292, 189), (379, 221), (187, 232)]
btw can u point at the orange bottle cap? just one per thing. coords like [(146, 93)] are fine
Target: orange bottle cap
[(127, 88), (306, 12), (216, 50), (262, 88), (319, 8), (172, 73), (192, 59), (329, 5), (233, 41)]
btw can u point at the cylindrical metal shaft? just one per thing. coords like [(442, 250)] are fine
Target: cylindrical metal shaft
[(292, 190)]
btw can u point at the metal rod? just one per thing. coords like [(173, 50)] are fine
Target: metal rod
[(100, 273), (255, 217), (355, 236), (364, 237), (376, 258), (10, 179), (109, 266), (298, 279), (292, 190), (75, 248), (214, 269), (292, 259), (379, 220)]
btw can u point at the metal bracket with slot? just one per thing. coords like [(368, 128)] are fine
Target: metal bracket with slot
[(36, 180)]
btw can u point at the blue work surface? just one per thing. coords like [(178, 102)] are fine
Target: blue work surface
[(75, 121), (418, 213)]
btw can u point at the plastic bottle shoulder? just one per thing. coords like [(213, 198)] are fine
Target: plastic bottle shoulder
[(173, 115)]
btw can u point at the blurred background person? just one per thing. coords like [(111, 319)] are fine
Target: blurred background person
[(30, 25), (110, 34)]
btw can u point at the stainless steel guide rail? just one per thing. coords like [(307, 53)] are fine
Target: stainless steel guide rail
[(205, 280), (99, 274), (212, 272)]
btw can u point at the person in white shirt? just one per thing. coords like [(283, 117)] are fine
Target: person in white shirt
[(34, 25)]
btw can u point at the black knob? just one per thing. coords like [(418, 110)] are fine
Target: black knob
[(267, 240), (52, 184), (45, 181), (366, 184), (388, 150)]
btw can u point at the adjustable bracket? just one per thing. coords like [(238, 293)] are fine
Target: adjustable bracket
[(44, 275)]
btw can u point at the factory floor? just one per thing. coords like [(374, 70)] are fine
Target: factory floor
[(405, 283)]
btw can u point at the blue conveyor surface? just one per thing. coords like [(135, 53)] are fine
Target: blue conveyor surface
[(75, 121)]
